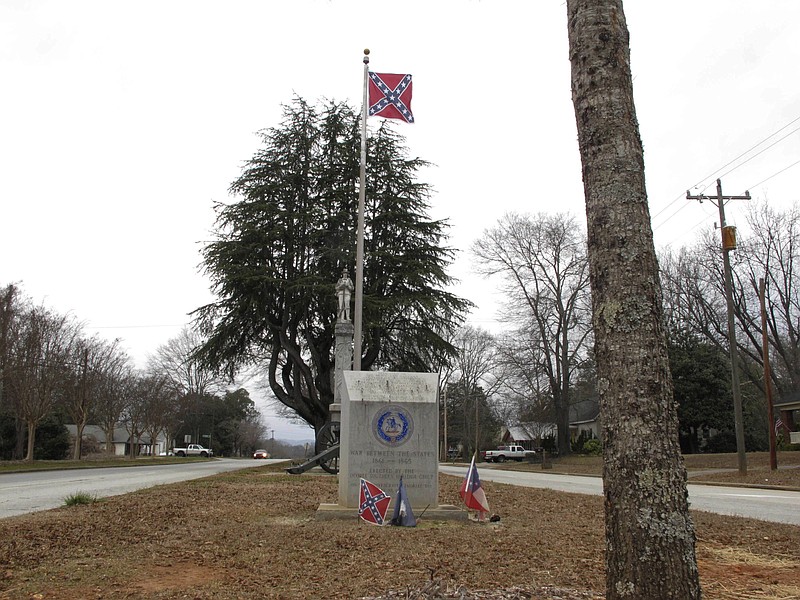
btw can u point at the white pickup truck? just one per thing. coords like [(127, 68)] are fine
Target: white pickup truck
[(504, 453), (193, 450)]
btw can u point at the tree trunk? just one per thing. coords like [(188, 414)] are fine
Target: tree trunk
[(31, 440), (562, 425), (20, 427), (76, 452), (650, 540), (108, 430)]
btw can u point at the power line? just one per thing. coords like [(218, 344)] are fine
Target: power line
[(758, 153), (748, 151), (730, 162), (135, 326), (797, 162)]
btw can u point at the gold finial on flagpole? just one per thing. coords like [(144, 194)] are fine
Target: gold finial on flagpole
[(366, 56)]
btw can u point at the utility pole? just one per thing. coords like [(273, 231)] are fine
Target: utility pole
[(762, 293), (728, 244), (446, 453)]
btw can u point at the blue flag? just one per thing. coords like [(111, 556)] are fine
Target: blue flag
[(403, 515)]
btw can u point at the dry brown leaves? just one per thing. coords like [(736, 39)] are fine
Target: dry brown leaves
[(252, 535)]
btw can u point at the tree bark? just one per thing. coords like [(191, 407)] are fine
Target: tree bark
[(31, 440), (650, 540), (76, 449)]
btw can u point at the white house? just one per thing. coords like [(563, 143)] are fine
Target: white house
[(584, 418), (121, 440)]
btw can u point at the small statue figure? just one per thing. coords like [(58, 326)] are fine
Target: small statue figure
[(344, 288)]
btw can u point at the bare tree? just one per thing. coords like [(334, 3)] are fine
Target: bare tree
[(174, 360), (38, 365), (136, 391), (695, 303), (9, 318), (13, 305), (250, 435), (770, 251), (89, 361), (525, 386), (650, 539), (543, 265), (159, 409), (192, 380), (113, 397), (473, 376)]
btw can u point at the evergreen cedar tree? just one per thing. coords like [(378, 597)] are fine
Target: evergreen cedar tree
[(650, 539), (702, 388), (282, 245)]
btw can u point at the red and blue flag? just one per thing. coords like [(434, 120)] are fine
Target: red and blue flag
[(373, 503), (390, 96), (472, 493)]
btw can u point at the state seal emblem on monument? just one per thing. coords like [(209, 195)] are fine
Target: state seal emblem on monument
[(392, 425)]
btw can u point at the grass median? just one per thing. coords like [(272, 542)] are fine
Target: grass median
[(252, 534)]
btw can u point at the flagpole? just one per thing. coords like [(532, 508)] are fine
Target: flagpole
[(362, 192)]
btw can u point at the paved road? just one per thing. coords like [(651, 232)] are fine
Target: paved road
[(22, 493), (767, 505)]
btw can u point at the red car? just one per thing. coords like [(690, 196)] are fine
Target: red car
[(261, 454)]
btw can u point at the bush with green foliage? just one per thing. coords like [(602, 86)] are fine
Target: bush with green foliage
[(52, 439), (592, 447), (725, 442), (8, 436)]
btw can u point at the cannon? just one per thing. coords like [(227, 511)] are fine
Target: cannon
[(326, 451)]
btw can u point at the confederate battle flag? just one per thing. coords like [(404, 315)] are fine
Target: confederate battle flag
[(373, 503), (390, 96)]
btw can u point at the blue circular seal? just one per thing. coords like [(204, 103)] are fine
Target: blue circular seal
[(392, 425)]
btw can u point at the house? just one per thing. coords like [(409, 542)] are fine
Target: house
[(528, 435), (787, 411), (121, 440), (584, 419)]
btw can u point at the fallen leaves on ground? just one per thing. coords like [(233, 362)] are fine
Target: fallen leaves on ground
[(252, 535)]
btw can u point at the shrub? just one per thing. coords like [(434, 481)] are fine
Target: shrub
[(52, 439), (725, 442), (592, 447)]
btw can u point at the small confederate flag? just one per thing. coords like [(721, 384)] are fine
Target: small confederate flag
[(390, 96), (472, 492), (373, 503)]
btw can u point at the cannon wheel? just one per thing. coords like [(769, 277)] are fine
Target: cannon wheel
[(328, 436)]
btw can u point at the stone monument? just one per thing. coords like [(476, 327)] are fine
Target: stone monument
[(389, 427)]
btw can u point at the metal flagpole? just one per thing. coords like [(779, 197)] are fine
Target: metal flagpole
[(362, 192)]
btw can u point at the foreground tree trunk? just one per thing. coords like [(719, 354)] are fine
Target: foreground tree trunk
[(649, 534)]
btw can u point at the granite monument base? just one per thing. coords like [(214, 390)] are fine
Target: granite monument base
[(390, 429), (442, 512)]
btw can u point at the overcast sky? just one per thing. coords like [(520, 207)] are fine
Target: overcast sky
[(122, 122)]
